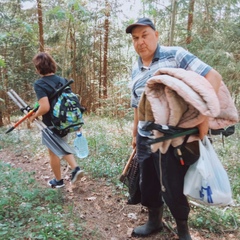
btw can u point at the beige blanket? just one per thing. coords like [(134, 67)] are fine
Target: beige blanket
[(182, 98)]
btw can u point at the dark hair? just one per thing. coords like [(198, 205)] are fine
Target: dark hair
[(44, 63)]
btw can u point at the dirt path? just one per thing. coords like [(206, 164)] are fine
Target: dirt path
[(100, 205)]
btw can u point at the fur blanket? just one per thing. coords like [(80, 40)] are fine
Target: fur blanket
[(177, 97)]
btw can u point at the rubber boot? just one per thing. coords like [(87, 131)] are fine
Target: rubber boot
[(154, 223), (183, 231)]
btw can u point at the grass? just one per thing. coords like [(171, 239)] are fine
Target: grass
[(215, 219), (36, 214), (110, 145), (28, 211)]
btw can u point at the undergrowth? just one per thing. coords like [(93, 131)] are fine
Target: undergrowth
[(35, 214), (28, 211), (110, 145)]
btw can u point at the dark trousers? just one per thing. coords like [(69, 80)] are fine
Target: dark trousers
[(171, 174)]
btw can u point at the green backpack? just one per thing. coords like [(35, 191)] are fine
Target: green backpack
[(65, 109)]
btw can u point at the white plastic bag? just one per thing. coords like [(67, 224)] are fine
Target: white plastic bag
[(207, 180)]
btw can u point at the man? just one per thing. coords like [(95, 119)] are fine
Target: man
[(168, 171)]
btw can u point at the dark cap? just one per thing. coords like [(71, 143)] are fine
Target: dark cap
[(140, 22)]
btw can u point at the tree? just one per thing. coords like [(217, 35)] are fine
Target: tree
[(105, 48), (89, 44), (190, 21), (173, 17), (16, 48), (40, 25)]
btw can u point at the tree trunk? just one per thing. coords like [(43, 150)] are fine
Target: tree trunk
[(105, 49), (40, 26), (173, 17), (5, 108), (73, 52), (190, 21), (100, 69), (1, 118)]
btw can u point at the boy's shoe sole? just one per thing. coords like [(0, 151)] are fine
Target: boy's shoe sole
[(79, 174), (55, 185)]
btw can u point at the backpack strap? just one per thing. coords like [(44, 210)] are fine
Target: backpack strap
[(64, 83)]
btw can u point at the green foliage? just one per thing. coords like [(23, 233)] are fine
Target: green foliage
[(2, 63), (29, 211), (73, 34), (109, 143), (56, 13), (215, 219), (28, 27), (109, 140)]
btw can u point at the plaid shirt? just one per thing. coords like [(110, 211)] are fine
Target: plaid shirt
[(164, 57)]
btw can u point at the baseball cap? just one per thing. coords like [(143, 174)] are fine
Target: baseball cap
[(140, 22)]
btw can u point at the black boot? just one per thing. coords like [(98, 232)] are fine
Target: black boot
[(154, 223), (182, 228)]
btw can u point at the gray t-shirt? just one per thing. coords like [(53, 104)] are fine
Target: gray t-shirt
[(164, 57)]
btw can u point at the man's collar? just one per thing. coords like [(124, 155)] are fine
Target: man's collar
[(155, 58)]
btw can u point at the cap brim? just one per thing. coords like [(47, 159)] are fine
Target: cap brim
[(130, 27)]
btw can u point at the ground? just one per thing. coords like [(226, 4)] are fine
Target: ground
[(101, 206)]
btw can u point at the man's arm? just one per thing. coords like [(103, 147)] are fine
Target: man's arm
[(135, 126), (214, 78)]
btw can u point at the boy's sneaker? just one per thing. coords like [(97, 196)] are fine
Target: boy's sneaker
[(56, 184), (77, 174)]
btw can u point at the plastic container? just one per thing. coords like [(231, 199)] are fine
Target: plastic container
[(81, 146)]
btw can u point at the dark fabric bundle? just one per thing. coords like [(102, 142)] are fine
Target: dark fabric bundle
[(131, 180)]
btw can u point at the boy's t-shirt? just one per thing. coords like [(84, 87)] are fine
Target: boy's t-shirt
[(42, 89)]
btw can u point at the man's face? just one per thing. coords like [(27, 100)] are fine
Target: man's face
[(145, 41)]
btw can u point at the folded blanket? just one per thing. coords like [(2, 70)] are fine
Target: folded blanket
[(182, 98)]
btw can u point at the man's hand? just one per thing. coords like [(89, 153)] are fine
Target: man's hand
[(133, 142), (203, 128)]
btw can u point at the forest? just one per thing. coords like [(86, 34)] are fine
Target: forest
[(89, 43)]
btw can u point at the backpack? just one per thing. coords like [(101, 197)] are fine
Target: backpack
[(65, 109)]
